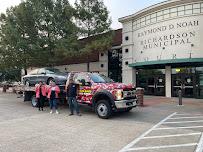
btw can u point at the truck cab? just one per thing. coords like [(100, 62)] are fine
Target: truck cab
[(103, 94)]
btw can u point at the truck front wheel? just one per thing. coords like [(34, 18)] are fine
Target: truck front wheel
[(103, 109)]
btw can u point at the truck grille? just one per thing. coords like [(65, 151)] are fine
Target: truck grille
[(131, 94)]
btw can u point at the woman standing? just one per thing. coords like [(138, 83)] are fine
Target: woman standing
[(53, 92), (40, 90)]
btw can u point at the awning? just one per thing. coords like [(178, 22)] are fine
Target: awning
[(188, 62)]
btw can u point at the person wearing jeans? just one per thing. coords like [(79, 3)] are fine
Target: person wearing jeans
[(53, 92), (72, 92), (40, 90)]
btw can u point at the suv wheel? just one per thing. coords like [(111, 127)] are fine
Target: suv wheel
[(34, 101), (27, 83), (103, 109), (49, 81)]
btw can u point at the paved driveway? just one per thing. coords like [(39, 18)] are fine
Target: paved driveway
[(25, 129)]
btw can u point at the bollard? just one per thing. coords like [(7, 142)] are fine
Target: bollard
[(180, 97), (140, 96)]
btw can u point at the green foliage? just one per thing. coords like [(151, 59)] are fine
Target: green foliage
[(45, 32), (37, 33), (92, 18), (10, 75), (100, 43)]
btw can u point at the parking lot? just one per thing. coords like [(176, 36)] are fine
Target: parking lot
[(159, 126)]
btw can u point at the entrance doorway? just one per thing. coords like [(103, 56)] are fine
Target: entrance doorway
[(199, 86), (152, 80), (190, 80), (156, 85), (184, 82)]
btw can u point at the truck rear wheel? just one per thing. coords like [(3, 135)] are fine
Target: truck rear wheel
[(34, 101), (103, 109)]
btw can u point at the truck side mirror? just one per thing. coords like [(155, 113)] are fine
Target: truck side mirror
[(87, 83), (83, 82)]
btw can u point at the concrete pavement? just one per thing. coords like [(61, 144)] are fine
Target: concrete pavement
[(24, 129)]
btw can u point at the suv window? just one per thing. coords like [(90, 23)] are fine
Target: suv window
[(41, 71), (81, 77), (34, 72)]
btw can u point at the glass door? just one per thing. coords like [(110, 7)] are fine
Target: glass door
[(156, 85), (185, 82), (199, 86)]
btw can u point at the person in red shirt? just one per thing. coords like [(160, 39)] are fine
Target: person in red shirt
[(53, 92), (40, 90)]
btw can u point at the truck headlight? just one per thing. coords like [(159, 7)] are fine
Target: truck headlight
[(119, 94)]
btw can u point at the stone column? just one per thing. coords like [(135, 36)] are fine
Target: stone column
[(129, 76), (168, 81)]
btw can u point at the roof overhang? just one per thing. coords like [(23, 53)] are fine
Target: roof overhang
[(173, 63), (154, 8)]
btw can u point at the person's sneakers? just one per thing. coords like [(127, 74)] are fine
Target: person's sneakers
[(57, 112), (79, 114), (51, 112), (42, 109), (39, 109), (70, 114)]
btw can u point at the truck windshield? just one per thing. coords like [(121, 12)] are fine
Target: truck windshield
[(98, 78)]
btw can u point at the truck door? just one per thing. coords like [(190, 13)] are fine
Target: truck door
[(85, 87)]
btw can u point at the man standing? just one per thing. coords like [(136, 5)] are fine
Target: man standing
[(72, 92)]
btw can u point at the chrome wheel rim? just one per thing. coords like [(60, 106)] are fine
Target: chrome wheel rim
[(102, 110), (34, 102)]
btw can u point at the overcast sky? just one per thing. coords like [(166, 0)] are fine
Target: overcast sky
[(117, 8)]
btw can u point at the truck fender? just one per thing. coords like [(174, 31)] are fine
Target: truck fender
[(103, 93)]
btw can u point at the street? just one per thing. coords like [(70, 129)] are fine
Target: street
[(159, 126)]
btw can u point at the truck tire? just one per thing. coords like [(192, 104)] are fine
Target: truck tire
[(34, 101), (103, 109), (27, 83), (49, 80)]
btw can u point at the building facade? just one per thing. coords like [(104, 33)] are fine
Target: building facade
[(162, 48), (108, 62)]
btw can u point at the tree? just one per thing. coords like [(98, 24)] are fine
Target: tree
[(37, 33), (92, 18)]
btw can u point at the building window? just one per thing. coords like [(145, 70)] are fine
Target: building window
[(173, 12), (102, 54), (166, 16), (181, 13), (196, 11), (126, 63), (188, 7), (188, 12), (196, 6), (126, 38), (126, 50), (159, 18), (102, 65)]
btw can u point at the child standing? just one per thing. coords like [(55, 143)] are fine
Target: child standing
[(53, 92)]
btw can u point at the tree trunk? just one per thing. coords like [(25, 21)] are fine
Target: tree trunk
[(25, 70), (88, 66)]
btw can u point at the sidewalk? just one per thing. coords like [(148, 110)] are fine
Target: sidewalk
[(154, 100)]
